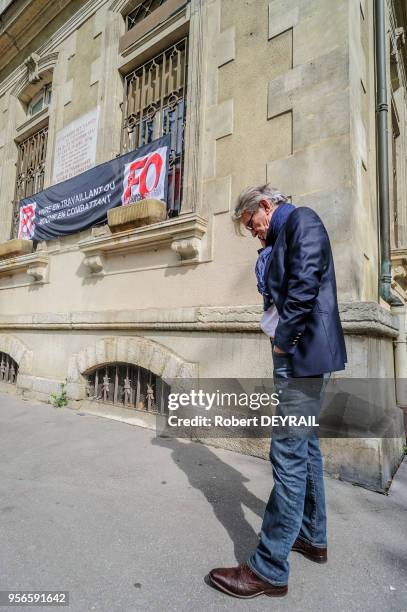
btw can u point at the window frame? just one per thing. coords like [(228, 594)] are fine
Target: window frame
[(165, 108), (44, 96)]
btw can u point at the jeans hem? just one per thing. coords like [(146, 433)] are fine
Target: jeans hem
[(312, 543), (275, 583)]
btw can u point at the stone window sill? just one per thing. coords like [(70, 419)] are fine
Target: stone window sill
[(33, 264), (182, 234), (33, 124)]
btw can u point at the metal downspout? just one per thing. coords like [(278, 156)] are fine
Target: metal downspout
[(382, 110)]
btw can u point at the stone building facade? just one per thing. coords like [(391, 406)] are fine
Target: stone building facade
[(281, 91)]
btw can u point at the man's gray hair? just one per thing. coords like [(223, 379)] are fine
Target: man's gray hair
[(249, 199)]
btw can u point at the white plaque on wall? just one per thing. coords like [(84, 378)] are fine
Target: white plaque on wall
[(75, 147)]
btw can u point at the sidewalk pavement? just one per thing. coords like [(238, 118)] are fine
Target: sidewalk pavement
[(126, 521)]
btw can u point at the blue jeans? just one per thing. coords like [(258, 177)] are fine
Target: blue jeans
[(296, 507)]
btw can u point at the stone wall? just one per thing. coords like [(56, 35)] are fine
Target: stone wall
[(279, 91)]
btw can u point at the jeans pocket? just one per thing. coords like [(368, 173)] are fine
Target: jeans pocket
[(280, 358)]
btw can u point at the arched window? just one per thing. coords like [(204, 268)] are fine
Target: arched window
[(8, 369), (127, 385)]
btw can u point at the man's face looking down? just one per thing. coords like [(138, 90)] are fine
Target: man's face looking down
[(257, 222)]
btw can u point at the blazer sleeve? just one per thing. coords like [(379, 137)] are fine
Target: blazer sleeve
[(306, 259)]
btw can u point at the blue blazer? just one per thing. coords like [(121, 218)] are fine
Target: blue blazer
[(300, 278)]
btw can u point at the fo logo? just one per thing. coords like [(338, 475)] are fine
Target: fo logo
[(27, 221), (145, 177)]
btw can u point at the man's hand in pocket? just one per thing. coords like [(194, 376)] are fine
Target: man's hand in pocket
[(279, 351)]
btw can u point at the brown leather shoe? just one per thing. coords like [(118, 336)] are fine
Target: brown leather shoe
[(241, 582), (314, 553)]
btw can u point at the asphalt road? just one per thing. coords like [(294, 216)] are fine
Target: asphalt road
[(127, 521)]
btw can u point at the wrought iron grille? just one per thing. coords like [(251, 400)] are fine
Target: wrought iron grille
[(142, 10), (128, 385), (8, 369), (30, 170), (154, 105)]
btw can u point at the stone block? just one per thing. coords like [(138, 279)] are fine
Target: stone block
[(70, 45), (157, 363), (46, 386), (220, 119), (219, 123), (76, 391), (319, 117), (122, 349), (188, 370), (15, 247), (101, 354), (139, 214), (281, 135), (225, 51), (110, 349), (170, 369), (24, 381), (327, 73), (68, 89), (73, 371), (313, 169), (218, 194), (99, 21), (95, 71), (90, 357), (283, 15), (322, 26), (369, 462)]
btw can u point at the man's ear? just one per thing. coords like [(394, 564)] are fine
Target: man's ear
[(265, 204)]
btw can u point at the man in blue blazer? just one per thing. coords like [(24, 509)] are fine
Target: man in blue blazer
[(307, 345)]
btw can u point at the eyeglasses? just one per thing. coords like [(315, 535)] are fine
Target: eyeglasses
[(249, 224)]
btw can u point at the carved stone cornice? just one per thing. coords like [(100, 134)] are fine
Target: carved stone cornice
[(183, 234), (52, 44), (358, 318), (22, 22), (33, 264), (367, 318)]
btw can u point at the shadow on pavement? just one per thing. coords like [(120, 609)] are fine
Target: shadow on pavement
[(223, 486)]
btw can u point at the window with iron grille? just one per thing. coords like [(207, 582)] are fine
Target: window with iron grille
[(154, 105), (129, 386), (8, 369), (142, 10), (30, 170)]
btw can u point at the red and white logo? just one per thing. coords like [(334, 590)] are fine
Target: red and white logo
[(145, 177), (27, 221)]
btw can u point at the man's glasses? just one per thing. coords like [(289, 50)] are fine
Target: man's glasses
[(249, 224)]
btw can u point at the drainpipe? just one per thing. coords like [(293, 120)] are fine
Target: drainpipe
[(382, 109), (397, 306)]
